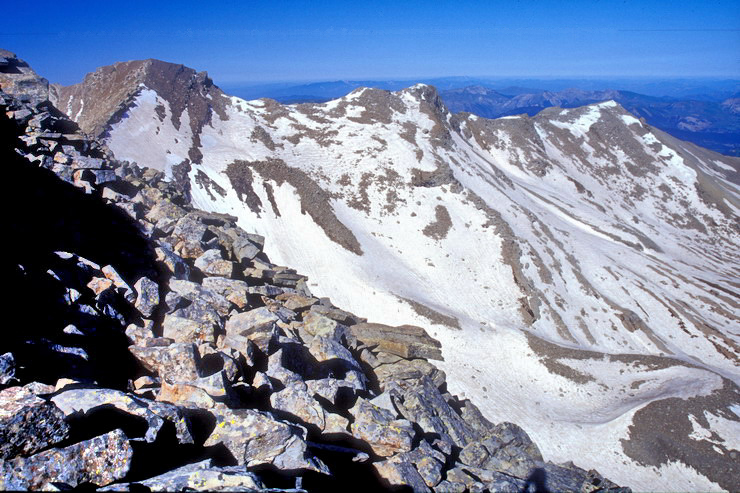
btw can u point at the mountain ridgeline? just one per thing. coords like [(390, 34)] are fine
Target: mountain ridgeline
[(579, 267)]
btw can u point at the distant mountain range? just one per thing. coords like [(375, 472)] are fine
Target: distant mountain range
[(711, 124), (706, 113)]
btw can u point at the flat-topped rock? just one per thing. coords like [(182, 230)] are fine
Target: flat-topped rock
[(407, 341)]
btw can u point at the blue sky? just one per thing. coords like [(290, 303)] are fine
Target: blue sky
[(241, 41)]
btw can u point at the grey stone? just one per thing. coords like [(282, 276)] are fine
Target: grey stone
[(258, 325), (511, 451), (86, 400), (296, 302), (233, 290), (200, 476), (386, 435), (173, 363), (296, 400), (7, 369), (397, 473), (99, 461), (407, 341), (28, 423), (256, 438), (199, 294), (172, 261), (147, 297), (424, 405), (212, 263), (319, 325), (185, 329), (340, 316)]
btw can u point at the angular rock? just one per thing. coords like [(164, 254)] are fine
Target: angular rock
[(276, 369), (296, 302), (411, 371), (188, 233), (28, 423), (147, 296), (165, 215), (137, 335), (295, 399), (185, 395), (87, 400), (386, 435), (212, 263), (172, 261), (398, 473), (407, 341), (258, 325), (7, 369), (201, 476), (334, 313), (173, 363), (319, 325), (181, 329), (111, 273), (511, 451), (233, 290), (99, 461), (199, 294), (255, 438), (326, 349), (423, 404)]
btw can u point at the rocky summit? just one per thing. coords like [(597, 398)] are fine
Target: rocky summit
[(151, 345)]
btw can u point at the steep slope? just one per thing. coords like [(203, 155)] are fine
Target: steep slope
[(580, 263)]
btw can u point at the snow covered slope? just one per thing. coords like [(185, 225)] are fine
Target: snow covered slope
[(579, 267)]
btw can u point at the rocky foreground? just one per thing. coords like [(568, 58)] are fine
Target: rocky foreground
[(152, 345)]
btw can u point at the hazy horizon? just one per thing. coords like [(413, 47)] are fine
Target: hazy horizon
[(308, 41)]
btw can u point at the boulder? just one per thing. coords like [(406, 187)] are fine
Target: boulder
[(320, 325), (147, 296), (211, 263), (201, 476), (182, 329), (87, 400), (7, 369), (386, 435), (296, 302), (407, 341), (398, 473), (172, 261), (258, 325), (99, 461), (233, 290), (422, 403), (28, 423), (256, 438), (173, 363), (296, 400), (185, 395), (197, 293)]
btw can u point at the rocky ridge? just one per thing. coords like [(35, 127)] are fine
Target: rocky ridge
[(580, 262), (155, 345)]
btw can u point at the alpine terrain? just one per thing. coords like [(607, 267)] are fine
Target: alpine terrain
[(578, 267)]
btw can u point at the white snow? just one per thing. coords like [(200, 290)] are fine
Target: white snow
[(575, 251)]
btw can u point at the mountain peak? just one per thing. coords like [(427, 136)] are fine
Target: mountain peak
[(116, 88), (18, 78)]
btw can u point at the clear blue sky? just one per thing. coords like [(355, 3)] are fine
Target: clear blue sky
[(267, 40)]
